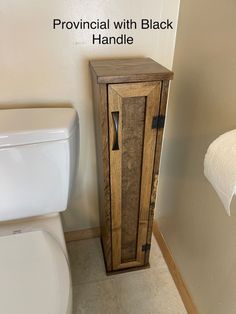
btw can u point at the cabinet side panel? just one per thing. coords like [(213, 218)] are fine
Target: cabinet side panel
[(102, 148), (162, 111)]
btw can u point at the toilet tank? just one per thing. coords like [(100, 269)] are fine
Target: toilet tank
[(37, 160)]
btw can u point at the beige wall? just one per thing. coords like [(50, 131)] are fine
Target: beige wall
[(202, 105), (39, 65)]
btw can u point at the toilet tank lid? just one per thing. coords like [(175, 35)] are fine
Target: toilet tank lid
[(35, 125)]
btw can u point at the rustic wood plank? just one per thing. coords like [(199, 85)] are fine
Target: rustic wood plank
[(115, 105), (162, 110), (130, 264), (128, 269), (102, 148), (134, 89), (129, 70), (153, 102), (133, 119)]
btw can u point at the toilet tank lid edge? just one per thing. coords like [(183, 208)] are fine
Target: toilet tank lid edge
[(36, 125)]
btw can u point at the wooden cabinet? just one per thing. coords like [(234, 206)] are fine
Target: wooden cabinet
[(129, 107)]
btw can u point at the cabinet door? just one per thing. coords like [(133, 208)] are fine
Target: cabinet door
[(132, 141)]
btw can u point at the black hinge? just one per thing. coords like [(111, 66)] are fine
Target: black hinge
[(158, 122), (146, 247)]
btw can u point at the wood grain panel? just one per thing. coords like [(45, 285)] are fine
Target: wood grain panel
[(134, 89), (102, 149), (133, 119), (116, 95), (152, 109), (162, 110), (115, 105), (129, 70)]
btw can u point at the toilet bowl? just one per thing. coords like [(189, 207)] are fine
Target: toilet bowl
[(34, 275), (37, 163)]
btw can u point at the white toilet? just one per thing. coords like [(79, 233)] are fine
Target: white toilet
[(37, 163)]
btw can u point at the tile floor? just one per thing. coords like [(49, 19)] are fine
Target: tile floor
[(149, 291)]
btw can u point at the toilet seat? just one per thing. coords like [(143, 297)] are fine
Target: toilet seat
[(34, 275)]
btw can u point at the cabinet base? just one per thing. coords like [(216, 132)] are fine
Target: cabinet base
[(126, 270), (120, 271)]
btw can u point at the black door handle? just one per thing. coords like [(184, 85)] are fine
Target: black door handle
[(115, 117)]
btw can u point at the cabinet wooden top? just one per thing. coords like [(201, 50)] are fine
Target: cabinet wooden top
[(129, 70)]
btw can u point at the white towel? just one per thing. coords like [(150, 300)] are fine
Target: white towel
[(220, 167)]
